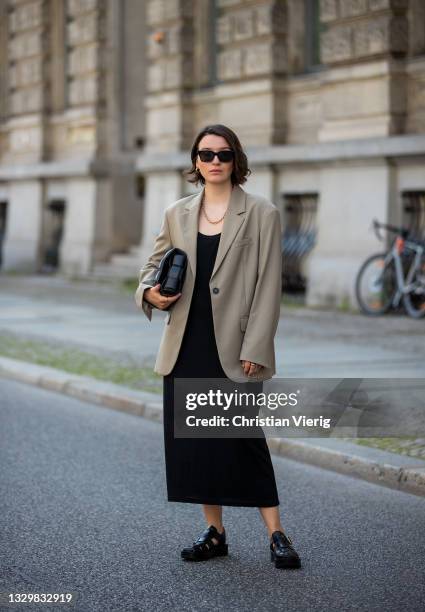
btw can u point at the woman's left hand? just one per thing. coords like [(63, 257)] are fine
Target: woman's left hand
[(250, 368)]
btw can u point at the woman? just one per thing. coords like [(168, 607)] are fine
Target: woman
[(222, 325)]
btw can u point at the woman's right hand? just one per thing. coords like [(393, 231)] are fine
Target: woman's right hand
[(153, 296)]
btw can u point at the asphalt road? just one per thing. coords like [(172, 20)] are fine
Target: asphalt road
[(84, 510)]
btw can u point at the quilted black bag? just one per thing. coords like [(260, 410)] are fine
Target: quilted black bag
[(171, 272)]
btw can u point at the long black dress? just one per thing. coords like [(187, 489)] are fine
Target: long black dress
[(221, 471)]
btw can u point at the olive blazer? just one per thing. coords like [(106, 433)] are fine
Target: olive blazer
[(245, 282)]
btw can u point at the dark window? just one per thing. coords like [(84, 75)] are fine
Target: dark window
[(206, 47), (313, 29), (414, 212), (54, 224), (298, 239), (140, 185), (212, 41), (3, 216)]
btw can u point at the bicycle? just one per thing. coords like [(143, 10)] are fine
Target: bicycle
[(399, 274)]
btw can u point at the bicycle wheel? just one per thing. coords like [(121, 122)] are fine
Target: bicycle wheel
[(376, 285), (414, 301)]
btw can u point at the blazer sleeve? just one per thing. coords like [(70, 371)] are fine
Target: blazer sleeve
[(258, 342), (147, 272)]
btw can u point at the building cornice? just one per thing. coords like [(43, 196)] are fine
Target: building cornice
[(403, 146)]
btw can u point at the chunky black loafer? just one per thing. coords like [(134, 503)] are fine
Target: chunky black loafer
[(204, 548), (283, 553)]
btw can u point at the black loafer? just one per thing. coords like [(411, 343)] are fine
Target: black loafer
[(283, 553), (204, 548)]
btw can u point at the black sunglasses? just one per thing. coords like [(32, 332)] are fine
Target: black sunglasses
[(208, 156)]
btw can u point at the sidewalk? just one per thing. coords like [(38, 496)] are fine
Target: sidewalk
[(309, 343), (102, 320), (389, 469)]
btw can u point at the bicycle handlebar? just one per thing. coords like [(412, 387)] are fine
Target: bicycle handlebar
[(404, 232)]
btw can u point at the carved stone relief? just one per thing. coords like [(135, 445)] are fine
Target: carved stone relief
[(25, 17), (230, 64), (328, 10), (243, 25), (377, 5), (336, 44), (75, 7), (356, 32), (85, 32), (83, 59), (26, 58), (83, 90), (241, 54), (257, 60), (351, 8), (270, 18), (224, 29)]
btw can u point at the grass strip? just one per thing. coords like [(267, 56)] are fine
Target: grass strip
[(121, 371)]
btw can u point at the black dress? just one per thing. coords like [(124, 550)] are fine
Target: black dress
[(221, 471)]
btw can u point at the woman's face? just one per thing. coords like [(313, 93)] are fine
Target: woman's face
[(215, 171)]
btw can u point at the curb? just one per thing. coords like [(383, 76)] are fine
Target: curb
[(379, 467)]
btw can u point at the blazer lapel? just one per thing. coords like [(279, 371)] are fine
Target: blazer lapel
[(232, 222), (190, 228)]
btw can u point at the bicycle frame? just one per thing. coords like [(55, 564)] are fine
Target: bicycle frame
[(404, 284)]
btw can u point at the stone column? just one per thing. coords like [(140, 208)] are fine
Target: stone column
[(416, 86), (57, 55), (88, 224), (161, 190), (22, 243), (101, 208), (26, 81), (3, 66), (25, 88), (252, 50), (121, 116), (363, 44), (168, 106)]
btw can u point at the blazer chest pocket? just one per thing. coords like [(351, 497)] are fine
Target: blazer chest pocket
[(242, 242), (244, 323)]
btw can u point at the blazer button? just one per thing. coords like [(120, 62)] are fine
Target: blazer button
[(216, 290)]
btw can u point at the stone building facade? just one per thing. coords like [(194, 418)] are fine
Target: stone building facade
[(100, 102)]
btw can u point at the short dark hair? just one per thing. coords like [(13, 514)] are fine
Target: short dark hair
[(240, 170)]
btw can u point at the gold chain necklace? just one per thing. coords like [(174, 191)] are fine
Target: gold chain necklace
[(208, 219)]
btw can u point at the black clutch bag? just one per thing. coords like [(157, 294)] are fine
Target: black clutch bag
[(171, 272)]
